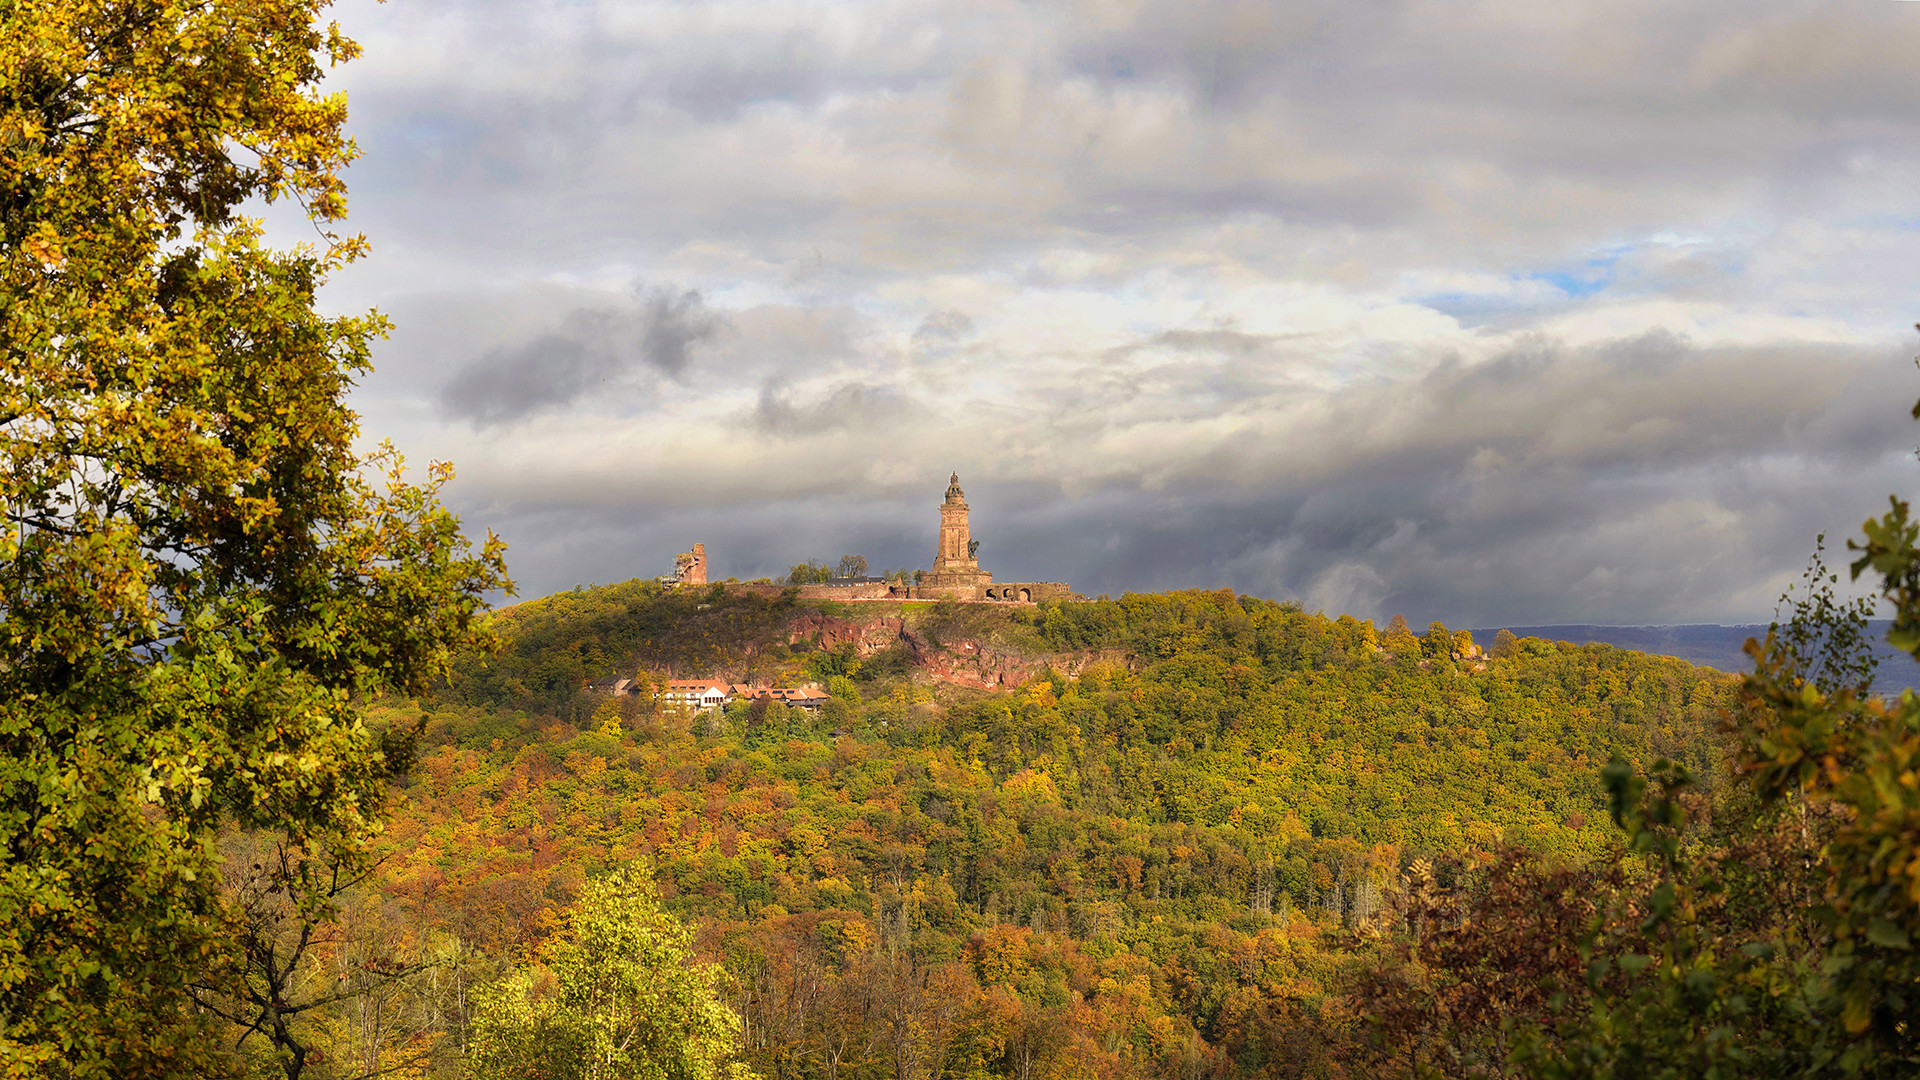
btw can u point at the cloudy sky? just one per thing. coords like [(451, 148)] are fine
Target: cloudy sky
[(1498, 313)]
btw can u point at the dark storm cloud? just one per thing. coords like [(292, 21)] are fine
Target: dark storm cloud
[(1458, 117), (591, 350), (673, 324), (1642, 480), (1639, 480), (1670, 63)]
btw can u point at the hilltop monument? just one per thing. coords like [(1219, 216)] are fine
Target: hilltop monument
[(954, 566), (956, 573)]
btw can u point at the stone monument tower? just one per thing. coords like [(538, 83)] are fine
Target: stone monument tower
[(954, 536), (953, 567)]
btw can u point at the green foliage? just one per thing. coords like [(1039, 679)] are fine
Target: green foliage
[(1504, 644), (1859, 757), (948, 623), (843, 688), (1767, 930), (1825, 641), (551, 648), (623, 998), (843, 662), (811, 572), (1399, 639), (198, 575)]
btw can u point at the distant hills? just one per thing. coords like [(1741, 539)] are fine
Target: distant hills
[(1711, 645)]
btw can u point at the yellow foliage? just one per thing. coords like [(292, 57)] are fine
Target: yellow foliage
[(1032, 786)]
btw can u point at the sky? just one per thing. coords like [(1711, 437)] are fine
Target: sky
[(1500, 313)]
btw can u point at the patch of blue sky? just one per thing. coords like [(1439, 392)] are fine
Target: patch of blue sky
[(1576, 284), (1592, 275), (1610, 269), (1531, 291), (1515, 294), (1474, 309), (1900, 222)]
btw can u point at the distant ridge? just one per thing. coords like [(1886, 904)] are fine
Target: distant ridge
[(1710, 645)]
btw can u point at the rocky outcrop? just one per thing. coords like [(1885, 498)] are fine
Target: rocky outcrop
[(964, 662), (868, 636), (968, 663)]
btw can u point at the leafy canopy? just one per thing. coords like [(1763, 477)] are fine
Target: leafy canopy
[(197, 575), (626, 1000)]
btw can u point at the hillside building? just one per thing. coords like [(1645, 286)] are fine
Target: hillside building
[(800, 697), (699, 695), (705, 695)]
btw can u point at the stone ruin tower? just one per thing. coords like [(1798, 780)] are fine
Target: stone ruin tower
[(690, 568)]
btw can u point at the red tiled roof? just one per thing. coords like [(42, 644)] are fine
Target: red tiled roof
[(783, 693)]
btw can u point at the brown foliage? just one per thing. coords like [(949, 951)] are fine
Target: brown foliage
[(1479, 958)]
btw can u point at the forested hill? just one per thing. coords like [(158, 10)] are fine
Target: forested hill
[(1120, 838)]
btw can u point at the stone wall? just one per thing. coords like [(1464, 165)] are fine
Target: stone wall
[(1027, 592), (865, 590)]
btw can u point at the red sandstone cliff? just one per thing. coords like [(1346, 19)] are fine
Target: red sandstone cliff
[(960, 662)]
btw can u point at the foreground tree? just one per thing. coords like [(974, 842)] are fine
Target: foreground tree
[(622, 998), (1764, 925), (198, 576), (1776, 932)]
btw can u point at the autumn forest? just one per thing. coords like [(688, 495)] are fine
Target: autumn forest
[(1172, 851)]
